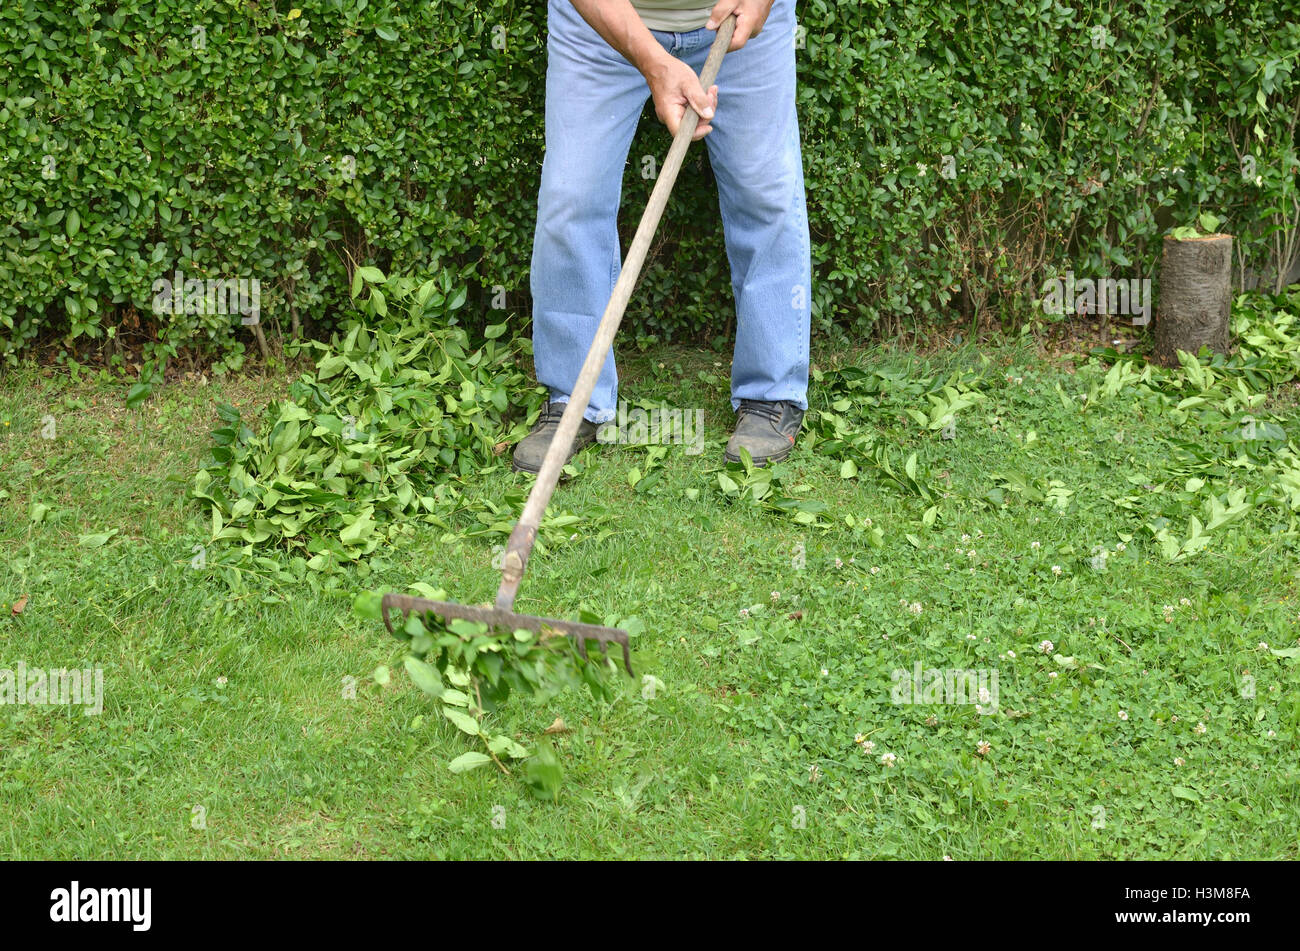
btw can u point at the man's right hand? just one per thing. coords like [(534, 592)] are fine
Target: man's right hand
[(673, 86)]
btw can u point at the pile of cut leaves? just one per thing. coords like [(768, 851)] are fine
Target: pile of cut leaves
[(400, 407)]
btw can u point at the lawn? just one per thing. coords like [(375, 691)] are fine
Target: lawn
[(1113, 549)]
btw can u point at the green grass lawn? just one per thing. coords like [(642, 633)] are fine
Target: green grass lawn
[(245, 722)]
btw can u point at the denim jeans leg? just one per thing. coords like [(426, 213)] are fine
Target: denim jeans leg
[(594, 98), (756, 158)]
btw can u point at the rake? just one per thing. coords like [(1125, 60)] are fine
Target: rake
[(502, 614)]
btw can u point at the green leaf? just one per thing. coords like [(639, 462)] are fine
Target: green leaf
[(848, 469), (543, 773), (424, 675), (137, 394), (97, 540), (467, 761), (361, 528), (464, 721), (368, 605), (505, 746)]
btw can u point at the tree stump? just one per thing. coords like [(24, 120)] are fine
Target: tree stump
[(1195, 296)]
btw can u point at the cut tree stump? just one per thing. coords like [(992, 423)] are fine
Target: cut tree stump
[(1195, 296)]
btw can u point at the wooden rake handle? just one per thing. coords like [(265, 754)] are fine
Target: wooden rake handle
[(524, 535)]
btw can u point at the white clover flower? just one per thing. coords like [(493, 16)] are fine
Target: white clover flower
[(1123, 714), (875, 570), (1035, 545), (776, 595), (221, 681), (869, 746), (1121, 547), (860, 738), (1056, 569), (983, 747), (1046, 647), (888, 759), (1179, 761), (915, 607), (1011, 654), (1199, 729), (1052, 674)]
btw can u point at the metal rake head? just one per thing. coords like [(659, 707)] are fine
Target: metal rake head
[(510, 621)]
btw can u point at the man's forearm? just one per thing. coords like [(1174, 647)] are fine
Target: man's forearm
[(622, 28)]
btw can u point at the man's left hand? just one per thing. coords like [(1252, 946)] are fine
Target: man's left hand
[(750, 17)]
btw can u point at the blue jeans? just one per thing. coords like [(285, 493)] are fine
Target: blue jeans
[(594, 98)]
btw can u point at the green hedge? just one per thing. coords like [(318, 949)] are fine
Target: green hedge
[(231, 140)]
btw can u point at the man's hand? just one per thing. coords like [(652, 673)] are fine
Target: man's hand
[(673, 86), (750, 17)]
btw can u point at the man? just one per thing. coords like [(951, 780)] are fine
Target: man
[(604, 57)]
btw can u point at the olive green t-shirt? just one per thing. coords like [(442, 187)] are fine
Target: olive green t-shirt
[(673, 16)]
